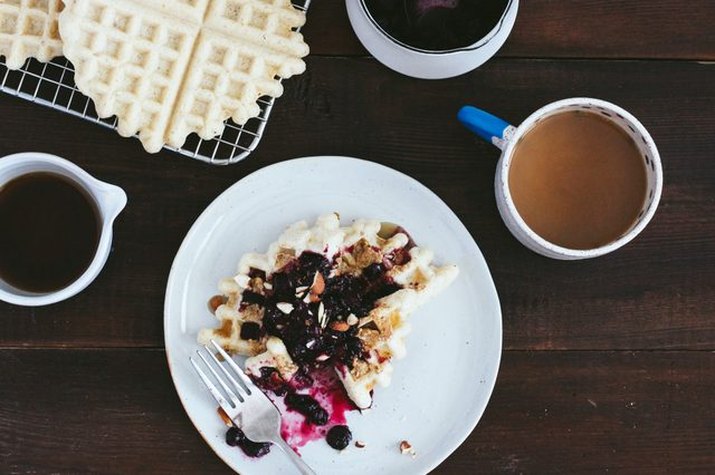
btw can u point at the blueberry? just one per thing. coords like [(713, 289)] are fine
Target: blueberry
[(236, 437), (255, 449), (307, 406), (339, 437)]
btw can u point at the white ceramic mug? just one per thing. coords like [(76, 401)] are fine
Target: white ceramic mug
[(109, 199), (505, 137), (428, 64)]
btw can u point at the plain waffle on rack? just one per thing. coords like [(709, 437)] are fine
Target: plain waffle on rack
[(28, 29), (167, 69)]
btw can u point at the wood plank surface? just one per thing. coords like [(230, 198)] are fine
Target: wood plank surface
[(655, 293), (657, 29), (609, 364), (116, 411)]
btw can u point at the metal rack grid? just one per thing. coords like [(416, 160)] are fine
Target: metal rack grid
[(52, 85)]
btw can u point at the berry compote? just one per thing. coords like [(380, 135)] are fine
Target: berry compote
[(437, 25), (315, 305)]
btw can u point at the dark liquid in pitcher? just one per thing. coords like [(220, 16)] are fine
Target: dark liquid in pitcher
[(49, 231), (437, 25)]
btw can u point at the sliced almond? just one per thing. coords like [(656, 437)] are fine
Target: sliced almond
[(285, 307), (268, 286), (339, 326), (359, 444), (318, 286), (352, 319)]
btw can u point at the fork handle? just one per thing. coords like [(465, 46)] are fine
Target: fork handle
[(294, 457)]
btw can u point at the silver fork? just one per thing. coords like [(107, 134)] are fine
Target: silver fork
[(246, 405)]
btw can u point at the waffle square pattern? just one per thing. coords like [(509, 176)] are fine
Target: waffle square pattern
[(328, 296), (170, 68), (28, 29)]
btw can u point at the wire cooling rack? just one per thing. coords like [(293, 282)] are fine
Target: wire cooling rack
[(52, 85)]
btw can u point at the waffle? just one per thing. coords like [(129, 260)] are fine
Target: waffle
[(28, 29), (167, 69), (350, 250)]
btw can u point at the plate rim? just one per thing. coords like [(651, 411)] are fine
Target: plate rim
[(491, 383)]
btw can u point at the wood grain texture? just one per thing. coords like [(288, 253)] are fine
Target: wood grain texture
[(116, 411), (595, 408), (655, 293), (657, 29)]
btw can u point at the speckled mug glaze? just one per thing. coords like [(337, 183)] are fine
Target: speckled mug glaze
[(505, 137)]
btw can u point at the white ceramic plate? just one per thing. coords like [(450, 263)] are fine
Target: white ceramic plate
[(438, 392)]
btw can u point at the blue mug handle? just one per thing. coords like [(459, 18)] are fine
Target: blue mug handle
[(489, 127)]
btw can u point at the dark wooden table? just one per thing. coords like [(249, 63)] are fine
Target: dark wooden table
[(608, 365)]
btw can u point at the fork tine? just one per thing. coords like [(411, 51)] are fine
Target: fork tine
[(242, 393), (212, 389), (236, 399), (239, 372)]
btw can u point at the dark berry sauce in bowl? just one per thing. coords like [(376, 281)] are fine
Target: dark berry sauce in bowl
[(436, 25)]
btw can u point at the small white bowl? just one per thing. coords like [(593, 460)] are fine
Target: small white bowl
[(426, 64), (110, 201)]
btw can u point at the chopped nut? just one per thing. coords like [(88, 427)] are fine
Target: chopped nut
[(215, 302), (406, 448), (352, 319), (310, 344), (267, 286), (359, 444), (285, 307), (284, 256), (339, 326), (224, 417), (365, 254), (256, 285), (317, 287)]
